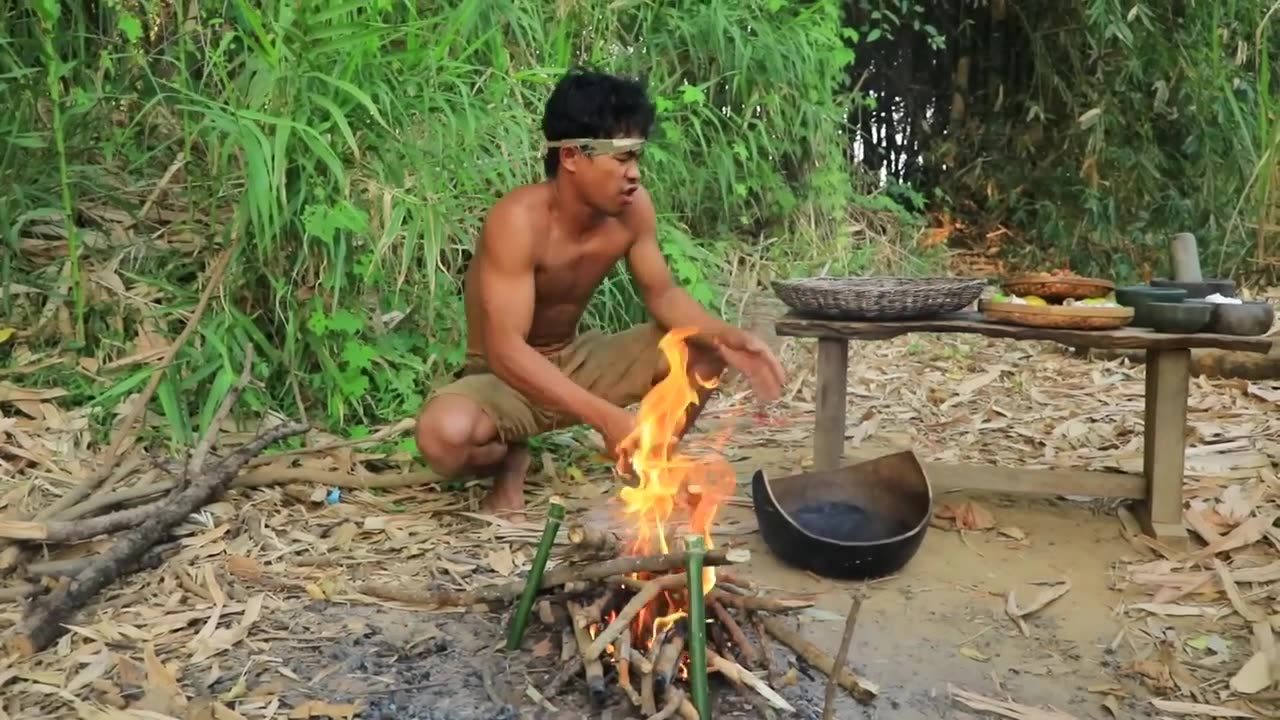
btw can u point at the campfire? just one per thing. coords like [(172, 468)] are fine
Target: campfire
[(641, 624), (655, 609)]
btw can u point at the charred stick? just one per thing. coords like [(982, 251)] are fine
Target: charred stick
[(669, 657), (571, 668), (760, 704), (595, 612), (862, 690), (766, 649), (555, 578), (718, 637), (731, 669), (624, 668), (592, 668), (757, 602), (829, 704), (631, 609), (671, 707), (739, 585), (745, 649), (595, 543), (568, 642), (648, 705), (72, 566)]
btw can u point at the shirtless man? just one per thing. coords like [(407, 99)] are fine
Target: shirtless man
[(543, 250)]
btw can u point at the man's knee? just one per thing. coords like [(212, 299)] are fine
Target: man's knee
[(447, 428)]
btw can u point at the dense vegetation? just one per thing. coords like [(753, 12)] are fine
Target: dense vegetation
[(350, 149)]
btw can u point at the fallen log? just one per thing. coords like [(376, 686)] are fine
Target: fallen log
[(45, 620)]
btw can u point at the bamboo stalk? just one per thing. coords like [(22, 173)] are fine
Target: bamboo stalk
[(697, 627), (520, 620)]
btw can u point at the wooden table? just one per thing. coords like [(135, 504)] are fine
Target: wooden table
[(1168, 361)]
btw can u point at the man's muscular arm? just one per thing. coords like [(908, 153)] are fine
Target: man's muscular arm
[(671, 305), (506, 274)]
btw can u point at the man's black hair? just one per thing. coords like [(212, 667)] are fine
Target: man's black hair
[(590, 104)]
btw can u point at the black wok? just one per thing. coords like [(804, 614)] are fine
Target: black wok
[(856, 522)]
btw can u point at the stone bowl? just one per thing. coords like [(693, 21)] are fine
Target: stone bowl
[(1179, 318), (1247, 318), (1139, 296), (1204, 288)]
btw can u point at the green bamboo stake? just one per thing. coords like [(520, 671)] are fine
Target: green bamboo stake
[(519, 621), (695, 551)]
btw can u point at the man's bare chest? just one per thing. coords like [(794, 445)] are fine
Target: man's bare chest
[(569, 273)]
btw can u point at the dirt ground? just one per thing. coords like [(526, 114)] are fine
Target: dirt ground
[(264, 611), (939, 622)]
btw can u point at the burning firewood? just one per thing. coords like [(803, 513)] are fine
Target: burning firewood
[(560, 576), (663, 625)]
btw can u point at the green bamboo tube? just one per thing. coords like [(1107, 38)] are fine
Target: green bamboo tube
[(519, 621), (696, 549)]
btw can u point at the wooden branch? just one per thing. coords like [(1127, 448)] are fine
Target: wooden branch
[(671, 707), (745, 648), (758, 602), (633, 607), (862, 690), (73, 531), (592, 542), (592, 668), (108, 460), (44, 623), (74, 566), (842, 655), (733, 670), (555, 577)]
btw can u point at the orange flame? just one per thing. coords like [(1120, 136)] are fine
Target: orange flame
[(665, 475)]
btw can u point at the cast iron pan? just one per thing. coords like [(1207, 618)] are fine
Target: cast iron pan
[(856, 522)]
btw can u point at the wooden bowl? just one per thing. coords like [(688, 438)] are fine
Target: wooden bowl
[(1056, 289), (1063, 317), (1180, 318)]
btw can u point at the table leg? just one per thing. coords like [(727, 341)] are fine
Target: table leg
[(828, 433), (1164, 444)]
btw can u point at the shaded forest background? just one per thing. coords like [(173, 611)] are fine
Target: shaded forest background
[(346, 153)]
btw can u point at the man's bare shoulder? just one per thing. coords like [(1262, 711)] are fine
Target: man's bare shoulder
[(524, 204)]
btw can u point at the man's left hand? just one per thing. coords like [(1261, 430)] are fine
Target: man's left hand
[(751, 356)]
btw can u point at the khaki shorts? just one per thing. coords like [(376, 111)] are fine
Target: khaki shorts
[(620, 368)]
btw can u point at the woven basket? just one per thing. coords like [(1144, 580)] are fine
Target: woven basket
[(1060, 317), (877, 298), (1057, 289)]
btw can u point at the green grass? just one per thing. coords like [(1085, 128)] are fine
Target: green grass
[(356, 147)]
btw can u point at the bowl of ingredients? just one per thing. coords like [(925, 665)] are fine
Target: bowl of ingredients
[(1233, 316), (1034, 311), (1058, 286)]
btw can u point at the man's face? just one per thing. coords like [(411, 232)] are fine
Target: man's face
[(607, 178)]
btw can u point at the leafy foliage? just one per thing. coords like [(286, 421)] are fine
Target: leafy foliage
[(356, 146)]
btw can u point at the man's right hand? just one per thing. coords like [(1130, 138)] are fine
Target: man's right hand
[(615, 427)]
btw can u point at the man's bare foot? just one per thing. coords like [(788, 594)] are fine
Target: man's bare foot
[(506, 499)]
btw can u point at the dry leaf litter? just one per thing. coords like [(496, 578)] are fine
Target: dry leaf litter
[(199, 636)]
